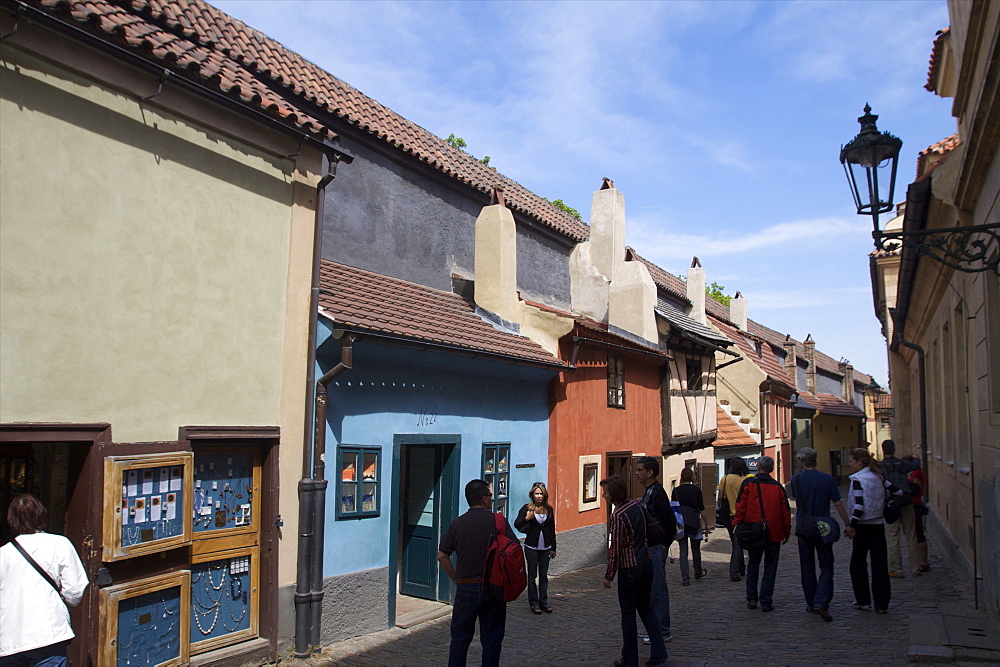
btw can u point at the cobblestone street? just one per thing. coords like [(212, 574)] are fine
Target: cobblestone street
[(711, 624)]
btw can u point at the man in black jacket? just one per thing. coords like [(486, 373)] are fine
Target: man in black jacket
[(647, 469)]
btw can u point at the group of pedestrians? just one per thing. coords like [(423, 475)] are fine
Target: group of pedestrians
[(639, 562)]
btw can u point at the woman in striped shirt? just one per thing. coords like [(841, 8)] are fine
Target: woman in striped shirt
[(628, 556)]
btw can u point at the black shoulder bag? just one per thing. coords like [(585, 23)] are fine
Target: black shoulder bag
[(753, 535), (45, 575)]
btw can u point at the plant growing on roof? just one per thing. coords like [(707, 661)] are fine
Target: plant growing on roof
[(560, 204), (715, 291), (457, 142)]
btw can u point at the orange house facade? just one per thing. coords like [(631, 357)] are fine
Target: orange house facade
[(603, 413)]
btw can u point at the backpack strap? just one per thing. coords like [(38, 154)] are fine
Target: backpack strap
[(498, 524)]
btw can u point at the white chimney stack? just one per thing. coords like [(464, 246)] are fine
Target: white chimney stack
[(696, 291), (738, 311)]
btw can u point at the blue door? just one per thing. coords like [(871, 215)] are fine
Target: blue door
[(421, 525)]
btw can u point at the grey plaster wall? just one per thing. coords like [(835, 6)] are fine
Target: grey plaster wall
[(355, 604), (580, 547), (395, 219), (286, 619)]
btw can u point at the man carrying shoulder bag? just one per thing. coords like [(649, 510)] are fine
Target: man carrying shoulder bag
[(762, 500)]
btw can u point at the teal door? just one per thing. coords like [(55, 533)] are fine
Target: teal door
[(421, 525)]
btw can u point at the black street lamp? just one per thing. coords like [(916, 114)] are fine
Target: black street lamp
[(863, 158), (966, 249)]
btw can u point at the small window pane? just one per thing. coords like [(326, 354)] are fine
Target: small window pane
[(348, 496), (368, 499), (370, 473), (589, 482), (347, 467), (502, 486)]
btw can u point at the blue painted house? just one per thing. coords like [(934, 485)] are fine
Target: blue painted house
[(436, 394)]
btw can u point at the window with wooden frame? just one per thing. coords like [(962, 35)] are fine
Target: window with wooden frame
[(496, 471), (694, 374), (358, 482), (589, 497), (616, 381)]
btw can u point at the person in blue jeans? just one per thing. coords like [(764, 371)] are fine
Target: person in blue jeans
[(814, 491), (468, 537), (647, 470), (764, 492), (628, 557)]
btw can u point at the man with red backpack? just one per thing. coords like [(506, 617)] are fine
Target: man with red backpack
[(469, 537)]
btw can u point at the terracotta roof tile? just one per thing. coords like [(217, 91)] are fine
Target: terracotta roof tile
[(617, 339), (933, 155), (883, 402), (195, 32), (729, 433), (148, 30), (936, 54), (749, 345), (828, 404), (372, 302)]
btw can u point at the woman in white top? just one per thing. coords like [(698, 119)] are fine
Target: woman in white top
[(538, 522), (865, 503), (34, 617)]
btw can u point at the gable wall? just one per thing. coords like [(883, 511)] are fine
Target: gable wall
[(391, 217)]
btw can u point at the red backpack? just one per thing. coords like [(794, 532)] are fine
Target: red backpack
[(504, 575)]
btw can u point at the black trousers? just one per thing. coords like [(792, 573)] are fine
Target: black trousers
[(870, 542)]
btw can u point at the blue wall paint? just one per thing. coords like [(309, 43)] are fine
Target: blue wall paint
[(393, 390)]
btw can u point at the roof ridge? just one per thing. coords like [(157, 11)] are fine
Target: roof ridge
[(381, 121)]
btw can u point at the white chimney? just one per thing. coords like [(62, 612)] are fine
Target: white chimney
[(496, 260), (696, 291), (738, 311), (607, 229)]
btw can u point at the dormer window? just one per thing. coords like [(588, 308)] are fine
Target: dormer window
[(616, 382)]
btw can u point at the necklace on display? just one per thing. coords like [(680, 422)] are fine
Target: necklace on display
[(131, 536), (198, 622)]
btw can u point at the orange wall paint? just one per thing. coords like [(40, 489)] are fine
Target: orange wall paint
[(581, 423)]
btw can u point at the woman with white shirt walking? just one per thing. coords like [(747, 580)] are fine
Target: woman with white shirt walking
[(40, 574), (538, 522), (865, 503)]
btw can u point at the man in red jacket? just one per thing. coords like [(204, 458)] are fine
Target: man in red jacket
[(777, 514)]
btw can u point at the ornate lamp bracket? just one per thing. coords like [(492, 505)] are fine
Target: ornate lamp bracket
[(966, 249)]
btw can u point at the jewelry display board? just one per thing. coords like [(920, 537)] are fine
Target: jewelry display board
[(226, 483), (143, 622), (496, 471), (224, 598), (146, 500)]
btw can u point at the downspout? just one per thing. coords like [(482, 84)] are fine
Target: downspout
[(320, 485), (307, 486)]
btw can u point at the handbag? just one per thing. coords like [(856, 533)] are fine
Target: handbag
[(753, 535), (806, 525), (45, 575)]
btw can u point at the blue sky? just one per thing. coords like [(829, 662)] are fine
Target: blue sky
[(721, 122)]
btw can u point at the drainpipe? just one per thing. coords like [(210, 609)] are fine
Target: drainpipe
[(320, 484), (307, 486)]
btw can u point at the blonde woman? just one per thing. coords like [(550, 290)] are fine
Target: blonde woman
[(538, 522)]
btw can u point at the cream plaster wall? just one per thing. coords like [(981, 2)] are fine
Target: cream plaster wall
[(143, 263)]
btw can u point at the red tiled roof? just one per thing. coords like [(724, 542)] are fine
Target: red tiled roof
[(828, 404), (369, 301), (664, 280), (823, 361), (933, 155), (203, 43), (188, 39), (729, 433), (936, 55), (883, 402), (766, 360)]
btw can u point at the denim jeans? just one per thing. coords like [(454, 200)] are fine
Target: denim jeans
[(770, 554), (819, 591), (472, 602), (53, 655), (737, 563), (538, 566), (870, 539), (634, 586), (695, 556), (660, 594)]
